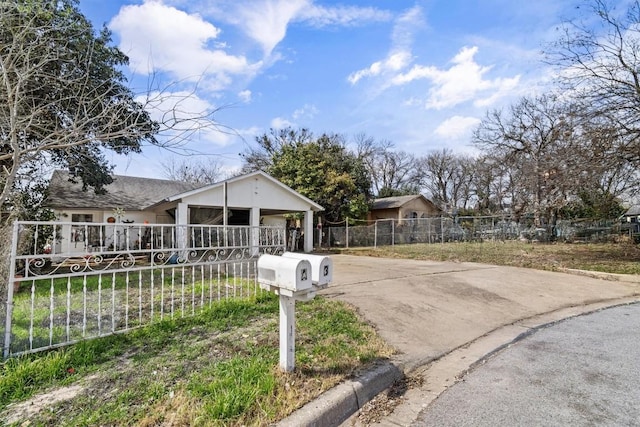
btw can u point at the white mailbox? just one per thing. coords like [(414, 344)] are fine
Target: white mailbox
[(290, 274), (321, 267)]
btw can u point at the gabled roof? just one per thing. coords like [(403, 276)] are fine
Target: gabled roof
[(126, 192), (632, 211), (177, 197), (134, 193), (397, 201)]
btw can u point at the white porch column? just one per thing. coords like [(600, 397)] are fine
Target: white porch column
[(308, 231), (182, 220), (255, 230)]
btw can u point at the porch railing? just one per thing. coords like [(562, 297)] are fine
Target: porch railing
[(73, 281)]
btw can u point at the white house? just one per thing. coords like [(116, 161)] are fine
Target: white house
[(253, 199)]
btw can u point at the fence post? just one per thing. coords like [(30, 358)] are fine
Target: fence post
[(493, 228), (393, 232), (375, 234), (10, 280), (441, 229), (346, 232)]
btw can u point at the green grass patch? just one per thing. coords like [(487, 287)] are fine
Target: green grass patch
[(218, 367), (58, 310)]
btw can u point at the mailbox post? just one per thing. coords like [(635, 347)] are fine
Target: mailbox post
[(293, 278)]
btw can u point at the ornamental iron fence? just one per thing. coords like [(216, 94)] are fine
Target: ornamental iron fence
[(74, 281)]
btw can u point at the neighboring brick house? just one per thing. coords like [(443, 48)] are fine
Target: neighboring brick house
[(403, 207)]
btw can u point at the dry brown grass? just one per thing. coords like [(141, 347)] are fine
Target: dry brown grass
[(623, 258)]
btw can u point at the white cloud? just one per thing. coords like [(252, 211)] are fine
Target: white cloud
[(462, 82), (186, 121), (162, 38), (321, 16), (307, 111), (404, 28), (399, 56), (394, 62), (281, 123), (266, 21), (245, 96), (456, 127)]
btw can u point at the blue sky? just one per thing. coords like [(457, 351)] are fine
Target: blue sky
[(420, 74)]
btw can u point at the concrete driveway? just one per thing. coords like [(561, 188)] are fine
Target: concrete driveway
[(426, 309), (444, 318)]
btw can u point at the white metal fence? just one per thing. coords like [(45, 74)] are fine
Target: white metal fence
[(73, 281)]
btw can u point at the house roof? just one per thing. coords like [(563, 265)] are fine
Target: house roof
[(396, 202), (177, 197), (126, 192), (134, 193), (633, 211)]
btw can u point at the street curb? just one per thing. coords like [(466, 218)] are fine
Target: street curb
[(616, 277), (339, 403)]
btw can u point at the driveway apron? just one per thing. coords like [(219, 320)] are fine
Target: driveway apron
[(426, 309)]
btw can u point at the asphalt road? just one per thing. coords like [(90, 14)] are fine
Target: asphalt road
[(584, 371)]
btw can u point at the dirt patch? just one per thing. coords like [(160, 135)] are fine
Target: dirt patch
[(22, 411), (385, 403)]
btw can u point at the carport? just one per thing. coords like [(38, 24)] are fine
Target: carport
[(253, 199)]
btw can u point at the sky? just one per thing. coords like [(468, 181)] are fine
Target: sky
[(420, 74)]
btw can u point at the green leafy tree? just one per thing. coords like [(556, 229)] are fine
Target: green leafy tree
[(63, 96), (594, 204), (321, 169)]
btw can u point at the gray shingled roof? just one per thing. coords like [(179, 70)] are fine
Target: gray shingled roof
[(126, 192), (393, 202), (633, 211)]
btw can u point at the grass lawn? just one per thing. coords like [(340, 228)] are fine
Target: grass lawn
[(219, 367), (57, 310), (621, 258)]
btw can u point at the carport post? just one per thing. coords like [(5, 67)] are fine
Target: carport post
[(182, 232), (308, 231)]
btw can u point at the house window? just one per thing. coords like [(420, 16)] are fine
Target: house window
[(88, 235), (81, 217)]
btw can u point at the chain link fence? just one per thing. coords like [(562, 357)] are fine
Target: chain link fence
[(464, 229)]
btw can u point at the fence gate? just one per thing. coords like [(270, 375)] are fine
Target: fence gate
[(73, 281)]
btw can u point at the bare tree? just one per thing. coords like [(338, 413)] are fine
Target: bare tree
[(600, 67), (448, 178), (200, 172), (392, 173), (537, 139)]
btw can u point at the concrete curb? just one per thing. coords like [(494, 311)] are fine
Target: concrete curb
[(628, 278), (339, 403)]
